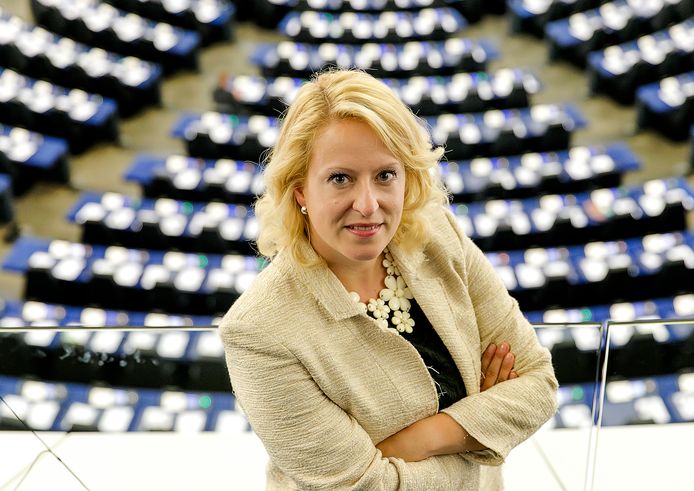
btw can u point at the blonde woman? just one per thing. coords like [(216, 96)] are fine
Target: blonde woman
[(357, 354)]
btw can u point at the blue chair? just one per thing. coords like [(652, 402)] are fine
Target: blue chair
[(119, 31), (572, 38), (618, 70), (457, 93), (29, 157), (532, 16), (656, 206), (133, 83), (214, 21), (381, 60), (624, 270), (188, 178), (667, 106), (113, 219), (79, 117), (578, 169), (115, 277), (392, 26), (6, 200)]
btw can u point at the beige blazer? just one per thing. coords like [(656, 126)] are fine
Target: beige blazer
[(322, 384)]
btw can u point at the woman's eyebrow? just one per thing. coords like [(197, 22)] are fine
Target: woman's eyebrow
[(394, 163)]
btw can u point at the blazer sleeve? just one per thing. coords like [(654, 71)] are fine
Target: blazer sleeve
[(307, 436), (508, 413)]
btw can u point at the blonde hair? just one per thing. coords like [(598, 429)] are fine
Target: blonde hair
[(335, 95)]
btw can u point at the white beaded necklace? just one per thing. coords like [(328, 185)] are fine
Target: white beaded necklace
[(395, 298)]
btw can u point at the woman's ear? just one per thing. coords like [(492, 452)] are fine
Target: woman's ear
[(299, 196)]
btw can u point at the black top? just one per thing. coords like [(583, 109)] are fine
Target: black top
[(449, 383)]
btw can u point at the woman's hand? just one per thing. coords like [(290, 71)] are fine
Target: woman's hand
[(410, 444), (436, 435), (497, 365), (440, 434)]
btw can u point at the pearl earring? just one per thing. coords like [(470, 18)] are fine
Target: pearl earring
[(304, 210)]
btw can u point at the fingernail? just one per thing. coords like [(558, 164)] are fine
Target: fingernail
[(509, 356), (503, 347)]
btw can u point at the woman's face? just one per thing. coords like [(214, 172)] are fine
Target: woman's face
[(354, 192)]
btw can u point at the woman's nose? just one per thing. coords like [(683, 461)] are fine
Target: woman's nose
[(365, 201)]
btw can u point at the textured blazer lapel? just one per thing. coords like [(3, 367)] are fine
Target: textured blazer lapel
[(430, 294), (428, 290), (322, 284)]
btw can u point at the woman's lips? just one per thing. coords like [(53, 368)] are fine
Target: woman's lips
[(364, 230)]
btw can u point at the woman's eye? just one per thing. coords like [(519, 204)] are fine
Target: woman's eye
[(387, 175), (338, 178)]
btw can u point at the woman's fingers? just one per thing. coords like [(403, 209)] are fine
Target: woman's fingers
[(497, 365), (491, 374), (506, 367), (487, 357)]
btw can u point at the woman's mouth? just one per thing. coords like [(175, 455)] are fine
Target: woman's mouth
[(364, 230)]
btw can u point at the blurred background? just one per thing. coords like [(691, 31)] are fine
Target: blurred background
[(131, 133)]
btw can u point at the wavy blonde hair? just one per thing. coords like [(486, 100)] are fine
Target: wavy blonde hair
[(334, 95)]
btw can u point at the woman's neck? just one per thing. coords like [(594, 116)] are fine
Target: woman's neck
[(367, 280)]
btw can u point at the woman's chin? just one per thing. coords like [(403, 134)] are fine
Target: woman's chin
[(365, 253)]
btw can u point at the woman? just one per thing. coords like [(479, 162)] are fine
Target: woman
[(357, 353)]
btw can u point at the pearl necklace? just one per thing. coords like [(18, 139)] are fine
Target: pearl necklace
[(395, 298)]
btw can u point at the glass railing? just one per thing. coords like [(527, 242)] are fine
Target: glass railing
[(123, 408), (647, 406), (558, 456)]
